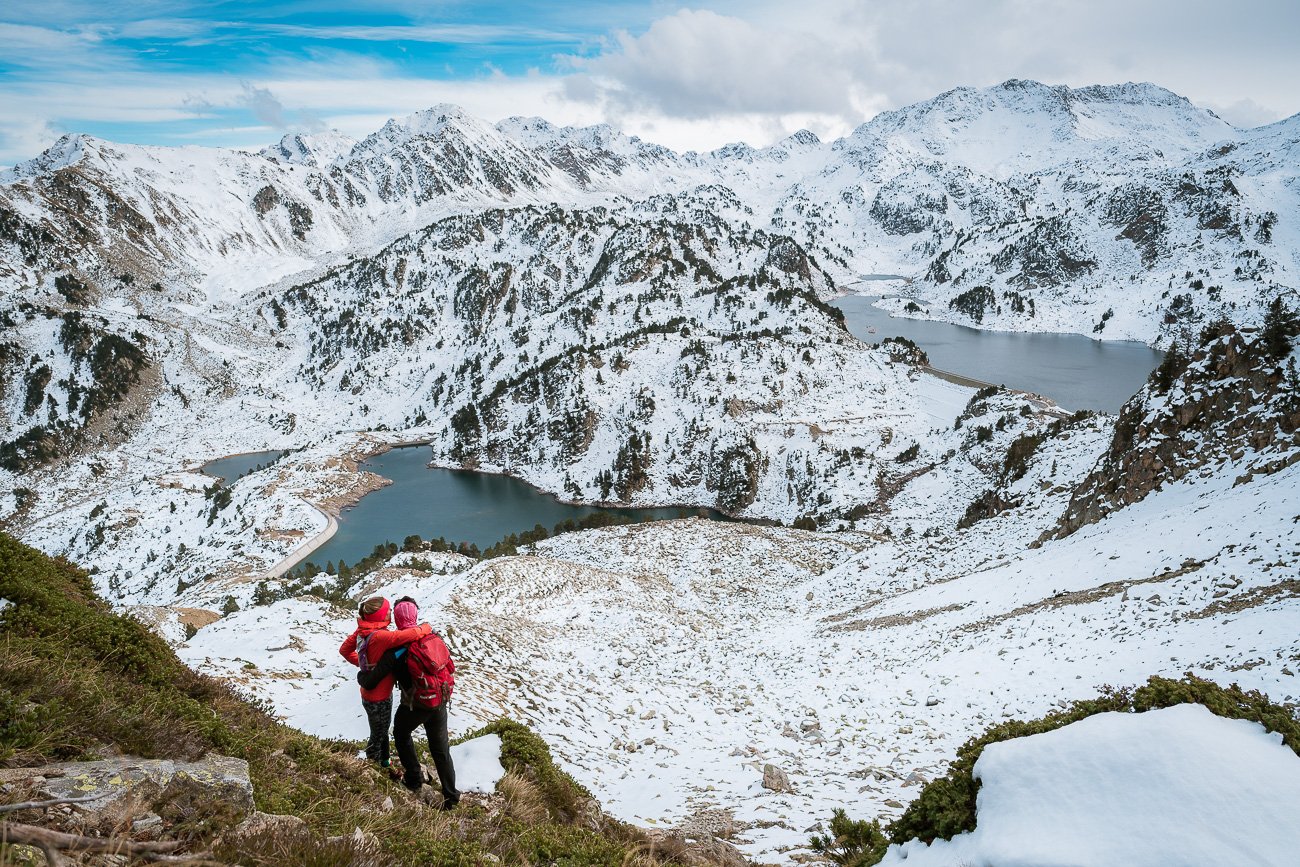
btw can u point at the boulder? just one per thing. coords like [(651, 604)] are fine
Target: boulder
[(775, 779)]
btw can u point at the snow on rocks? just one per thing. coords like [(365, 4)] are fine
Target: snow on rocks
[(675, 336), (1172, 786)]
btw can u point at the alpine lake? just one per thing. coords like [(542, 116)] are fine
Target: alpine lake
[(1076, 372)]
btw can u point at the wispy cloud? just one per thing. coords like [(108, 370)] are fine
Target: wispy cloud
[(479, 34), (270, 111)]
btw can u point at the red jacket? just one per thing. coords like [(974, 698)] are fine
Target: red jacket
[(380, 640)]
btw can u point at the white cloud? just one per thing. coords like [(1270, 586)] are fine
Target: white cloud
[(752, 70), (845, 60), (696, 64), (267, 108), (459, 33), (1245, 113)]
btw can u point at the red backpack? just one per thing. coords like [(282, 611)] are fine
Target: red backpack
[(431, 668)]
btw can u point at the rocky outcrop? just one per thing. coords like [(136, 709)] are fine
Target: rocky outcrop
[(1233, 401), (117, 781), (114, 793)]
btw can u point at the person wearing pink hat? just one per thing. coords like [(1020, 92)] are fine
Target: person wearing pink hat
[(425, 671), (363, 648)]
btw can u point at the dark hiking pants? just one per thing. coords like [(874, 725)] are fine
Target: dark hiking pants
[(434, 721), (379, 714)]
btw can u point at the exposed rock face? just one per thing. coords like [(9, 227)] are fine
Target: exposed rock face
[(1234, 401)]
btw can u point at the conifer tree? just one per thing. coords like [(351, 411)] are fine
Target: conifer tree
[(1281, 323)]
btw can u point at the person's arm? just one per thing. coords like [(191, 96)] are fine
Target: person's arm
[(348, 649), (375, 675), (382, 641), (415, 633)]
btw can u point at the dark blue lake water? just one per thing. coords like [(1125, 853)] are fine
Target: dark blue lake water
[(1075, 371), (232, 468), (457, 505)]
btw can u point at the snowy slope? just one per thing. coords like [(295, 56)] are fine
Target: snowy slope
[(857, 663), (1171, 786)]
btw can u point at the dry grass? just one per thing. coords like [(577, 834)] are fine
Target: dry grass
[(524, 800)]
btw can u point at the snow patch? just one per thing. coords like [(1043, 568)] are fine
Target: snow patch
[(478, 764), (1172, 786)]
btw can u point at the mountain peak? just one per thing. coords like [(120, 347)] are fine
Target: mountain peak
[(1025, 125), (428, 122), (804, 138), (310, 149), (67, 150)]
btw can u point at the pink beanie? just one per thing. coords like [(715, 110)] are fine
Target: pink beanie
[(405, 614)]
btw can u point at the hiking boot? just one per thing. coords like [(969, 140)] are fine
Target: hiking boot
[(450, 805)]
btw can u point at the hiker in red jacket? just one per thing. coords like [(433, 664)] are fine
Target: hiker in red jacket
[(425, 671), (363, 648)]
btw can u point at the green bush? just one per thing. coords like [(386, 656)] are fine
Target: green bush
[(851, 843)]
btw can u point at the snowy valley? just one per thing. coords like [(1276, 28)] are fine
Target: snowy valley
[(613, 322)]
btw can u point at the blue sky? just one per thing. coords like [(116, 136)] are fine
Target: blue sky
[(242, 74)]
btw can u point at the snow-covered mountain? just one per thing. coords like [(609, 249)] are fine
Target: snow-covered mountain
[(656, 317), (1058, 195), (616, 322)]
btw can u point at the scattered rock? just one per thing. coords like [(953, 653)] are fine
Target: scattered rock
[(708, 823), (366, 847), (147, 827), (775, 779)]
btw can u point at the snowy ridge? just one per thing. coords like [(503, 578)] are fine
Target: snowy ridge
[(974, 187), (315, 150), (615, 322)]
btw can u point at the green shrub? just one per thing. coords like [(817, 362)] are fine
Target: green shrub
[(851, 843), (1016, 463), (526, 754)]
